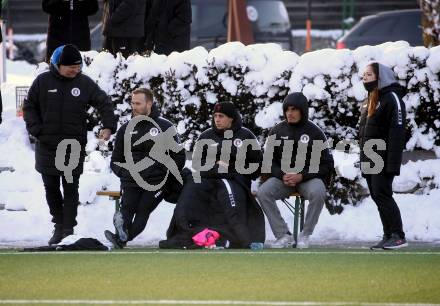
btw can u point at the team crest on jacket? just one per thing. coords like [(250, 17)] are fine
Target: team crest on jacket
[(238, 143), (75, 92), (154, 131), (304, 138)]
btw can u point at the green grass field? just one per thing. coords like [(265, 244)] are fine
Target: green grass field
[(323, 276)]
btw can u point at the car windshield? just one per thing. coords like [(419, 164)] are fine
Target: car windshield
[(271, 16), (211, 19)]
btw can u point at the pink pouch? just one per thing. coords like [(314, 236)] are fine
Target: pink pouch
[(206, 238)]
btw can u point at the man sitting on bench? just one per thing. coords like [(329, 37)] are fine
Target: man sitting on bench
[(299, 133), (142, 193), (227, 158)]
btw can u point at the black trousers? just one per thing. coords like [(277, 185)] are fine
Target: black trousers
[(62, 208), (380, 186), (125, 45), (136, 206)]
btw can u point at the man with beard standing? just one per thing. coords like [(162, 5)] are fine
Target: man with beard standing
[(55, 113)]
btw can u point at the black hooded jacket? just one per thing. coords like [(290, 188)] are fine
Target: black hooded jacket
[(69, 23), (156, 172), (55, 109), (306, 132), (387, 123)]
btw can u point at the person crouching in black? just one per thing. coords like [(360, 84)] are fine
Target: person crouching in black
[(143, 191), (383, 119), (219, 197)]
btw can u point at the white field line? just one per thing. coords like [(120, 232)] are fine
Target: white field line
[(198, 302), (214, 252)]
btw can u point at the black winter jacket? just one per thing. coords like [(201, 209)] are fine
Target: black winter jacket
[(240, 134), (387, 123), (306, 132), (68, 23), (230, 209), (126, 18), (168, 26), (55, 109), (155, 173)]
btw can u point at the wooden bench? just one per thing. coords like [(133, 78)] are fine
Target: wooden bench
[(113, 195)]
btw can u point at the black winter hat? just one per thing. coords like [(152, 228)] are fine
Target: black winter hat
[(70, 56), (226, 108)]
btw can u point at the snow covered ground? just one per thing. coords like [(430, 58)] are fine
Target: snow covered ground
[(23, 189)]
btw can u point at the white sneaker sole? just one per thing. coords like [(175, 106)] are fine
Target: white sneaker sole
[(302, 246), (396, 247), (277, 246)]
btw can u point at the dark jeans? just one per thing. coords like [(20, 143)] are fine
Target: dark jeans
[(125, 45), (136, 206), (380, 186), (63, 209)]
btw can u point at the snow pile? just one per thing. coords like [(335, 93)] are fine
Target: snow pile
[(257, 76)]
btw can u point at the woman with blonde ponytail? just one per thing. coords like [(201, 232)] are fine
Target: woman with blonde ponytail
[(383, 121)]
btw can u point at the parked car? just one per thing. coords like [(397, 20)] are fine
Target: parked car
[(383, 27), (269, 18)]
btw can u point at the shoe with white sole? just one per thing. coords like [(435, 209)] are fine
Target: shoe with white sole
[(284, 241), (395, 242), (303, 241)]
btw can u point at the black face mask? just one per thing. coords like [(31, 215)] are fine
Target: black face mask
[(370, 86)]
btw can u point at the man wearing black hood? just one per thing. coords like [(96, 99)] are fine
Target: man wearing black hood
[(221, 200), (301, 133), (139, 201), (55, 112), (383, 117)]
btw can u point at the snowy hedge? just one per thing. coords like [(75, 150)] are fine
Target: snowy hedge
[(258, 77)]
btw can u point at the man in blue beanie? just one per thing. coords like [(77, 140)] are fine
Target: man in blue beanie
[(55, 111)]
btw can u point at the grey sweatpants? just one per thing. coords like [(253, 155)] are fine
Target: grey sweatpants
[(274, 189)]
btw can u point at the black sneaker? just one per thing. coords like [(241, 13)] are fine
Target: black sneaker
[(57, 235), (117, 243), (379, 245), (395, 242)]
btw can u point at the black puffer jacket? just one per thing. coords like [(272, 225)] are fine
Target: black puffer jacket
[(221, 201), (306, 132), (240, 134), (387, 123), (68, 23), (168, 26), (155, 173), (126, 18), (55, 109)]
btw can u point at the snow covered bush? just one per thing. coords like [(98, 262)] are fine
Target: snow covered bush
[(256, 78)]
